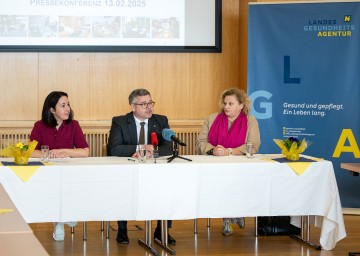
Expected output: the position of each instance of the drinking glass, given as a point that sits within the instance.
(45, 153)
(142, 153)
(249, 151)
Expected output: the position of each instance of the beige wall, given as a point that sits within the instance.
(185, 86)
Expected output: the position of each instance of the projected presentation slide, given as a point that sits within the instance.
(52, 24)
(92, 22)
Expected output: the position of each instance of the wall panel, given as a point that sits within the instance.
(18, 86)
(67, 72)
(210, 74)
(166, 76)
(185, 86)
(112, 77)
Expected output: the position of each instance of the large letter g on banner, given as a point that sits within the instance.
(266, 106)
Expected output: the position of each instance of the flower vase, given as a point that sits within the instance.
(21, 160)
(293, 157)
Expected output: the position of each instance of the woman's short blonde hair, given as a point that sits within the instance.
(241, 97)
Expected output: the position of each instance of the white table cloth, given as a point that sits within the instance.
(114, 188)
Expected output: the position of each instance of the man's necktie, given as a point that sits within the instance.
(142, 134)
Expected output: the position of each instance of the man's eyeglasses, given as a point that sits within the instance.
(145, 105)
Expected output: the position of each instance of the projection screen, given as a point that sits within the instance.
(111, 25)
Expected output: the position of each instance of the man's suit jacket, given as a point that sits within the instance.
(123, 136)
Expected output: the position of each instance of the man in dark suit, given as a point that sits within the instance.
(125, 136)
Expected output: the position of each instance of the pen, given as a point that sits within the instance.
(131, 159)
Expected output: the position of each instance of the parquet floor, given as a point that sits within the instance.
(208, 241)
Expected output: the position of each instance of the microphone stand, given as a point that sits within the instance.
(155, 152)
(176, 153)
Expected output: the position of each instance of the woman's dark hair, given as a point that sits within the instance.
(50, 102)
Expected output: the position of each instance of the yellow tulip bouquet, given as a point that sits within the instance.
(291, 147)
(20, 151)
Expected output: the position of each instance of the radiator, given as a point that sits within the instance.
(97, 142)
(189, 137)
(8, 138)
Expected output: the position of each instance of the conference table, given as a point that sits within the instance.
(117, 188)
(354, 168)
(14, 231)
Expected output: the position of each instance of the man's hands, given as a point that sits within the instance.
(149, 151)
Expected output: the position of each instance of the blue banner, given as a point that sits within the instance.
(304, 81)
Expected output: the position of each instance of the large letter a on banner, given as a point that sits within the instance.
(353, 147)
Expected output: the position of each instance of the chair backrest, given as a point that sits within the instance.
(106, 149)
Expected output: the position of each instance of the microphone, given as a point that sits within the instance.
(154, 139)
(169, 135)
(155, 143)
